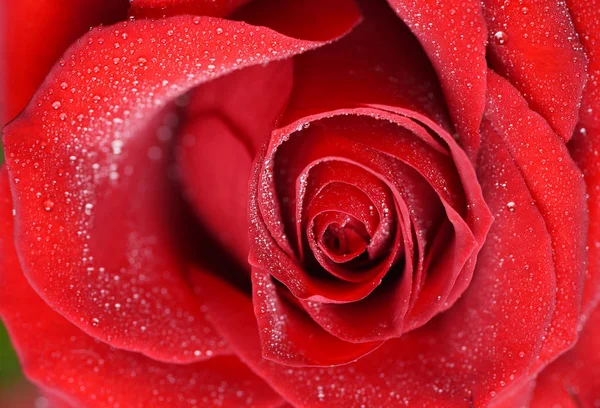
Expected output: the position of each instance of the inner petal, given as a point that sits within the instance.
(349, 223)
(344, 242)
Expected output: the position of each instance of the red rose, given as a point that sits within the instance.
(306, 203)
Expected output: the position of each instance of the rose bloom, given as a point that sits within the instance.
(308, 203)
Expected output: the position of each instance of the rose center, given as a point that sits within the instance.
(343, 241)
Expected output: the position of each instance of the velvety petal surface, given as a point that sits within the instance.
(88, 143)
(573, 380)
(535, 46)
(34, 35)
(225, 123)
(83, 371)
(451, 33)
(558, 190)
(586, 141)
(163, 8)
(519, 397)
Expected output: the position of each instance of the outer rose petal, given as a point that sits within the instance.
(573, 381)
(586, 142)
(558, 190)
(452, 33)
(88, 142)
(162, 8)
(327, 18)
(535, 46)
(35, 33)
(85, 372)
(226, 122)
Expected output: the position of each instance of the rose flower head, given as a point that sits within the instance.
(307, 203)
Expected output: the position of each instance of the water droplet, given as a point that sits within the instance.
(48, 205)
(63, 85)
(511, 206)
(56, 105)
(117, 146)
(219, 30)
(95, 322)
(88, 208)
(500, 37)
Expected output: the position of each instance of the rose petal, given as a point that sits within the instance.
(314, 20)
(586, 142)
(520, 397)
(361, 69)
(535, 46)
(451, 33)
(573, 380)
(35, 33)
(226, 122)
(163, 8)
(289, 336)
(94, 200)
(87, 372)
(558, 190)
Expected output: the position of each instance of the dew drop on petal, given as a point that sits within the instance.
(88, 208)
(116, 146)
(500, 37)
(48, 205)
